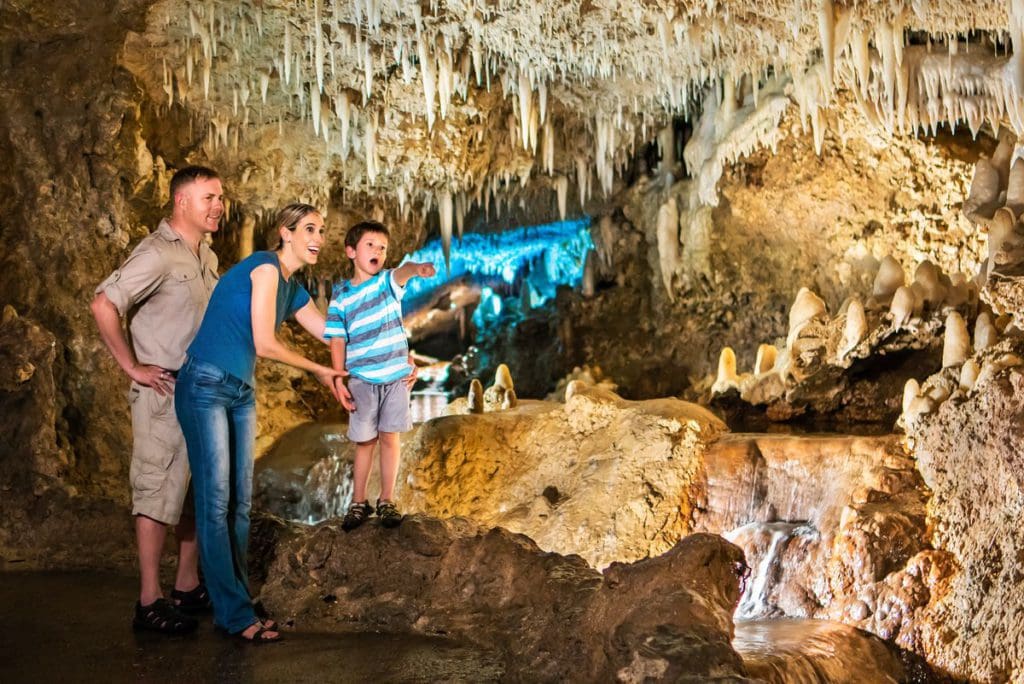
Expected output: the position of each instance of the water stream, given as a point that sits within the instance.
(797, 651)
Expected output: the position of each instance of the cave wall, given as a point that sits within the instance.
(73, 145)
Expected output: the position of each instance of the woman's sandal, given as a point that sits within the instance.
(161, 616)
(192, 602)
(259, 636)
(264, 617)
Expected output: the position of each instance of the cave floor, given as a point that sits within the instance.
(76, 626)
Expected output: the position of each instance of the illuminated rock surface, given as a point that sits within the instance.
(551, 617)
(598, 476)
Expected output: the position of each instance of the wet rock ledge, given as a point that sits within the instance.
(550, 617)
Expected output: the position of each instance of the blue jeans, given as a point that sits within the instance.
(217, 412)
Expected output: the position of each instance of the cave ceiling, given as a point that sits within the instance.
(447, 105)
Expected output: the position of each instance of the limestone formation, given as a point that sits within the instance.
(985, 333)
(670, 614)
(902, 308)
(727, 378)
(475, 399)
(618, 472)
(765, 361)
(928, 276)
(956, 342)
(501, 395)
(889, 279)
(856, 327)
(967, 456)
(969, 375)
(806, 306)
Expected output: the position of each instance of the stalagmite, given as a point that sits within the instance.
(1002, 157)
(503, 377)
(726, 378)
(902, 308)
(1015, 187)
(1000, 230)
(668, 243)
(856, 327)
(509, 400)
(806, 306)
(475, 398)
(765, 361)
(956, 346)
(984, 193)
(890, 278)
(928, 276)
(572, 388)
(911, 391)
(985, 333)
(969, 375)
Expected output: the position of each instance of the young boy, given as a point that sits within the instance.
(364, 325)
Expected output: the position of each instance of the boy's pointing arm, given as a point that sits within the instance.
(412, 269)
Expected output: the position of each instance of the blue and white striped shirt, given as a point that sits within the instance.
(369, 317)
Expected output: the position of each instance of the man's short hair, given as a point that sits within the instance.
(189, 174)
(356, 232)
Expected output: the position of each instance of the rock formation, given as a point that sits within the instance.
(542, 468)
(667, 617)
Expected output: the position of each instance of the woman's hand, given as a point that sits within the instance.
(335, 381)
(343, 395)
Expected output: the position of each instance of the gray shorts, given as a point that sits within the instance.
(159, 471)
(379, 408)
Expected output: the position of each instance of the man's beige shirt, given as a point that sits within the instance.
(163, 289)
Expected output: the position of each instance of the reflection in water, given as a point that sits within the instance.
(428, 404)
(795, 651)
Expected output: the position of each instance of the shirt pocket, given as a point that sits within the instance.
(188, 281)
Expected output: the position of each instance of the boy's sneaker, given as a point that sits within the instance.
(357, 514)
(388, 514)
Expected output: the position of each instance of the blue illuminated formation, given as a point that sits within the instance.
(539, 257)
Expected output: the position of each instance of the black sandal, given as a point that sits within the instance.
(258, 637)
(160, 616)
(192, 602)
(388, 514)
(357, 514)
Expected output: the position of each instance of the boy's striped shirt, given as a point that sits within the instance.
(369, 317)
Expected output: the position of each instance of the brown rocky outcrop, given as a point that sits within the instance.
(552, 617)
(969, 454)
(598, 476)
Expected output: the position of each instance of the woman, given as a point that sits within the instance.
(215, 403)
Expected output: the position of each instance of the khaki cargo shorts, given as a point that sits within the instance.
(159, 473)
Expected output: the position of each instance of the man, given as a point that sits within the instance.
(162, 289)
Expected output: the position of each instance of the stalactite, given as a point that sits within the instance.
(444, 208)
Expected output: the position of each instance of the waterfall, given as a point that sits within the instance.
(772, 550)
